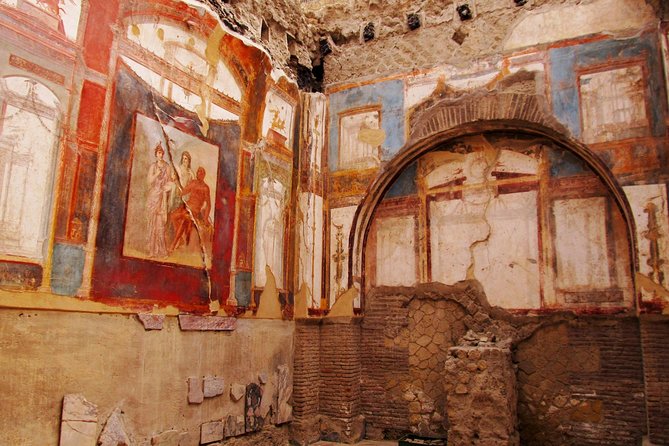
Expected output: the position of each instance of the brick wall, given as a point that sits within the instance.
(340, 368)
(617, 382)
(306, 379)
(580, 379)
(655, 339)
(581, 383)
(326, 383)
(384, 365)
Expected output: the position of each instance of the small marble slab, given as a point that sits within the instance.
(189, 322)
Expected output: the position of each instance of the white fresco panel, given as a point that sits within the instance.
(507, 264)
(59, 15)
(581, 243)
(341, 220)
(396, 263)
(310, 238)
(358, 145)
(613, 104)
(454, 226)
(269, 232)
(551, 23)
(28, 144)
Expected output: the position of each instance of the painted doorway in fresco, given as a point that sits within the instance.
(29, 138)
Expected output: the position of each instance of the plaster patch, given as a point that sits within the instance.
(558, 23)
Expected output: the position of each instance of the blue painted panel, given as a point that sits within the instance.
(68, 268)
(243, 288)
(563, 87)
(566, 61)
(389, 95)
(564, 163)
(405, 184)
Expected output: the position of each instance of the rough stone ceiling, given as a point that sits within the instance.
(402, 34)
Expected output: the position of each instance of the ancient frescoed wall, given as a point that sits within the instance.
(528, 162)
(131, 155)
(606, 94)
(146, 168)
(174, 194)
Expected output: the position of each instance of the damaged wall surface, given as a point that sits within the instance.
(255, 222)
(165, 382)
(139, 141)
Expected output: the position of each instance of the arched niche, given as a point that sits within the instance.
(430, 134)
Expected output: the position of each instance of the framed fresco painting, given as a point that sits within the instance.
(170, 217)
(167, 216)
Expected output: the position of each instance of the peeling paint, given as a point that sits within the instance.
(343, 306)
(269, 307)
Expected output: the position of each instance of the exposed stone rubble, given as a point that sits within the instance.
(278, 26)
(396, 47)
(480, 381)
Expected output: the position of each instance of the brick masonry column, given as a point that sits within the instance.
(655, 347)
(306, 382)
(340, 374)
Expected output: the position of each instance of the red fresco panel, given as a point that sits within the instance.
(98, 36)
(244, 257)
(91, 110)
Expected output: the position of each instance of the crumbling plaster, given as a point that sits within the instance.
(495, 27)
(113, 362)
(282, 17)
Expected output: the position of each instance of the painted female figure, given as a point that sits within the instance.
(159, 184)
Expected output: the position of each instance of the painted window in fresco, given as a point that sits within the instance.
(173, 62)
(162, 199)
(359, 141)
(29, 137)
(278, 120)
(59, 15)
(185, 51)
(613, 104)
